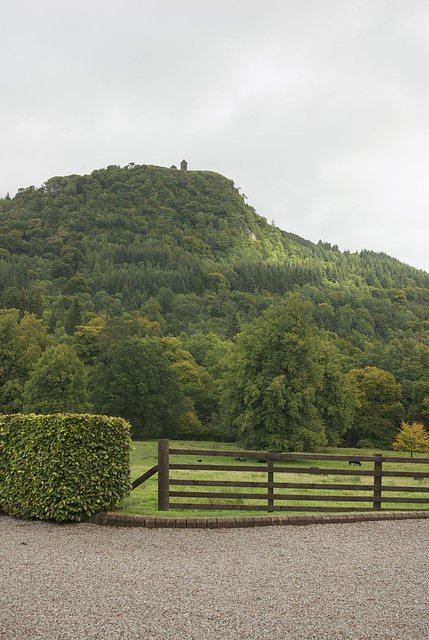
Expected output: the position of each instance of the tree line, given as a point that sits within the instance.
(278, 383)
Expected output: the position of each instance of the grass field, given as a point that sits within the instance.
(144, 499)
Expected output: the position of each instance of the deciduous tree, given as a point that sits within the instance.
(379, 409)
(412, 437)
(271, 380)
(335, 399)
(22, 342)
(58, 383)
(419, 408)
(136, 382)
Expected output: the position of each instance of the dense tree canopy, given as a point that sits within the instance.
(22, 341)
(378, 410)
(57, 384)
(136, 382)
(273, 377)
(419, 408)
(179, 258)
(335, 399)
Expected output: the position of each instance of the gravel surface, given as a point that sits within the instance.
(367, 580)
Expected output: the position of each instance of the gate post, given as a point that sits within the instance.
(270, 463)
(163, 475)
(378, 467)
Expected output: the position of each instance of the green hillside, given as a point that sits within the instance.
(129, 231)
(180, 259)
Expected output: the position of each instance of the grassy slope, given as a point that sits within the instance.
(143, 500)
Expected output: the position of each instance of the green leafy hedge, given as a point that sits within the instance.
(63, 466)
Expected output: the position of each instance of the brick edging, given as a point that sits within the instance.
(107, 518)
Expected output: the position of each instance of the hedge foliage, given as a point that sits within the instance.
(63, 466)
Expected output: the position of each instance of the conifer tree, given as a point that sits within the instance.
(73, 318)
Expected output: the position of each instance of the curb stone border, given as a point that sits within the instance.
(111, 519)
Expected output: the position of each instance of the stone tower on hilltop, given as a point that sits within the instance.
(183, 165)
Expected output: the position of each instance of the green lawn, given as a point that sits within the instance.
(143, 500)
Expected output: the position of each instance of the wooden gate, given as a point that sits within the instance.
(269, 493)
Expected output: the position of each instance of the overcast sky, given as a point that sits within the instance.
(317, 109)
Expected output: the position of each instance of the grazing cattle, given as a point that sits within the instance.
(261, 460)
(240, 459)
(357, 462)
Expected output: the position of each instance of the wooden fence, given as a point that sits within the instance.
(377, 495)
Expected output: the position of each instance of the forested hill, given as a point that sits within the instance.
(129, 231)
(88, 263)
(121, 237)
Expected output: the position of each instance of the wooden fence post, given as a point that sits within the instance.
(270, 463)
(163, 475)
(378, 468)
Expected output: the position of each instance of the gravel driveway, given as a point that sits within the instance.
(367, 580)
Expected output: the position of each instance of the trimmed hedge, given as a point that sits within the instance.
(63, 466)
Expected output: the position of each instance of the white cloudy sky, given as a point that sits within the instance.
(317, 109)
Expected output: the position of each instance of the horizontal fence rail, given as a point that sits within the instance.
(268, 463)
